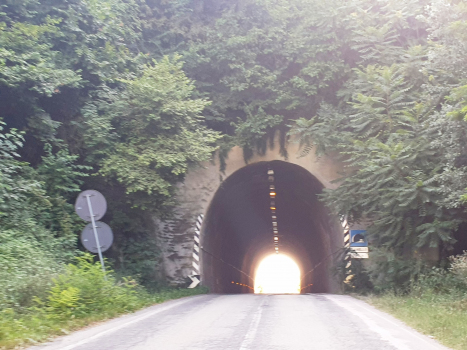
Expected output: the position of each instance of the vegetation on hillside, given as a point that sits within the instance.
(124, 96)
(78, 296)
(400, 130)
(436, 304)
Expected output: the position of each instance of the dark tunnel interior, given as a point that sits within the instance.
(237, 230)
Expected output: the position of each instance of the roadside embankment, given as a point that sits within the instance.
(435, 304)
(443, 317)
(77, 298)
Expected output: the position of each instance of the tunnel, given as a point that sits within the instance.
(237, 231)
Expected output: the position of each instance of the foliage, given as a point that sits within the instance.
(435, 302)
(27, 270)
(136, 92)
(82, 290)
(78, 296)
(26, 58)
(439, 281)
(439, 316)
(159, 131)
(15, 187)
(356, 277)
(70, 76)
(37, 230)
(397, 130)
(459, 267)
(141, 256)
(59, 173)
(265, 62)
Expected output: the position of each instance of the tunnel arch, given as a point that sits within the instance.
(237, 229)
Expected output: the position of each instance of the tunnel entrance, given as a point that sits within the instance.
(237, 231)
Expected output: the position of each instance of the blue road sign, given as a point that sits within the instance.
(358, 238)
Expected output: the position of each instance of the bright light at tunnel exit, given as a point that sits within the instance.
(277, 274)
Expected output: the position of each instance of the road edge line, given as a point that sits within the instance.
(130, 322)
(402, 325)
(383, 333)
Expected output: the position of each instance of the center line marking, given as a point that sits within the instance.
(252, 329)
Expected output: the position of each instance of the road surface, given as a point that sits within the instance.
(248, 321)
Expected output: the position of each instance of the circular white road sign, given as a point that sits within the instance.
(98, 203)
(104, 234)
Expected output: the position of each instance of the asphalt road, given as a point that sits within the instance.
(247, 321)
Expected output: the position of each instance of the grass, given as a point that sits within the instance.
(76, 298)
(36, 325)
(443, 317)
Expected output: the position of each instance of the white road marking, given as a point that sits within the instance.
(126, 324)
(410, 331)
(253, 328)
(385, 334)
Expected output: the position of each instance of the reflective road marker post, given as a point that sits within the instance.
(195, 276)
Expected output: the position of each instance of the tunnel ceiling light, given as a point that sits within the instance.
(272, 195)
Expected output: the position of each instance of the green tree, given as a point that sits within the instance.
(263, 63)
(156, 132)
(402, 150)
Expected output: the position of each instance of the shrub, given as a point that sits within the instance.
(459, 266)
(397, 276)
(389, 272)
(439, 281)
(81, 294)
(84, 289)
(27, 270)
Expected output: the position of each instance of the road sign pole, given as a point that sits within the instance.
(94, 227)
